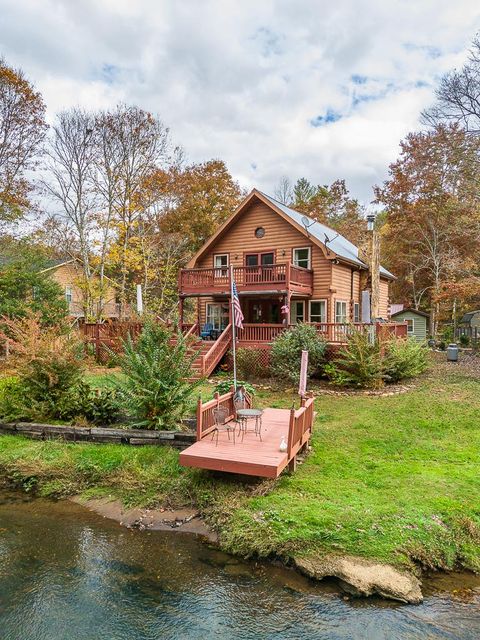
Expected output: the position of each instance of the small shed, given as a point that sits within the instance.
(470, 319)
(417, 322)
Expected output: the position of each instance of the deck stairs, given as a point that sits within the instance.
(208, 353)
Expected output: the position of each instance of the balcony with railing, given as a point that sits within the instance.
(272, 277)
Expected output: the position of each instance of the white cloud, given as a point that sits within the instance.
(244, 81)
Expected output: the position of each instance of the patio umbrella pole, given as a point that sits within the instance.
(232, 316)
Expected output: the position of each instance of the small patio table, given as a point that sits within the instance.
(243, 415)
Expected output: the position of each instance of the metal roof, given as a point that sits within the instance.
(332, 240)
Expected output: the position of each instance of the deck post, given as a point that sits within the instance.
(199, 418)
(292, 465)
(291, 428)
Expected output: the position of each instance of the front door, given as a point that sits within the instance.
(263, 311)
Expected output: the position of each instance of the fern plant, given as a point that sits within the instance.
(156, 386)
(359, 364)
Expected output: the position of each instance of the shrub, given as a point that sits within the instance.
(98, 406)
(250, 365)
(287, 352)
(49, 367)
(155, 388)
(464, 340)
(359, 364)
(48, 363)
(225, 385)
(404, 359)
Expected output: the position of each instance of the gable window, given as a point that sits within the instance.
(341, 311)
(297, 313)
(68, 293)
(318, 311)
(220, 260)
(410, 326)
(356, 312)
(301, 257)
(259, 232)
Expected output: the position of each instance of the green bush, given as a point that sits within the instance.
(464, 340)
(98, 406)
(359, 364)
(49, 382)
(363, 364)
(404, 359)
(225, 385)
(287, 350)
(156, 385)
(250, 365)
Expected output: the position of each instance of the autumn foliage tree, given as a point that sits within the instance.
(22, 129)
(432, 231)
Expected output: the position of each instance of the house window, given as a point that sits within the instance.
(297, 311)
(256, 259)
(410, 326)
(356, 312)
(341, 311)
(68, 294)
(318, 311)
(220, 264)
(217, 315)
(259, 232)
(301, 257)
(220, 260)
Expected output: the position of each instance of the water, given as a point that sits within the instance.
(68, 574)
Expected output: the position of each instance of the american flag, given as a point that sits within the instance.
(237, 309)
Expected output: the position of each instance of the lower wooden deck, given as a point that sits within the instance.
(250, 457)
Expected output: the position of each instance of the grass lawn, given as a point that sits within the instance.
(395, 478)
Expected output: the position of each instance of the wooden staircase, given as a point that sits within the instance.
(208, 352)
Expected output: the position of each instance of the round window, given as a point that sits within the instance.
(259, 232)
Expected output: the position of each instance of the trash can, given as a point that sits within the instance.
(452, 353)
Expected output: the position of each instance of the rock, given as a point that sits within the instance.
(361, 577)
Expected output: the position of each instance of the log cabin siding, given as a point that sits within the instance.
(343, 276)
(280, 237)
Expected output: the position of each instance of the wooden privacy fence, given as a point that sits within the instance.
(205, 419)
(300, 428)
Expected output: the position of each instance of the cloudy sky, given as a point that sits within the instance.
(274, 87)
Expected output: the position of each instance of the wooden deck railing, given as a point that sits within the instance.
(205, 419)
(300, 427)
(279, 277)
(190, 329)
(210, 359)
(260, 332)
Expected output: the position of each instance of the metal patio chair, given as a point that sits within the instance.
(220, 415)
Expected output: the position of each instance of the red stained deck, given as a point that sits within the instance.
(250, 457)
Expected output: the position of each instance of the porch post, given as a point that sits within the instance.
(180, 313)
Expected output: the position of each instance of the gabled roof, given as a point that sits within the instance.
(329, 240)
(411, 310)
(467, 318)
(55, 264)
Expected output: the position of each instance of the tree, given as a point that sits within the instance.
(22, 129)
(205, 195)
(333, 206)
(70, 155)
(458, 95)
(432, 231)
(283, 192)
(25, 289)
(135, 146)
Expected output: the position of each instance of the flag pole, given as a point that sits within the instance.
(232, 318)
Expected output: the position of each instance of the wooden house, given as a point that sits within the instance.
(68, 275)
(287, 268)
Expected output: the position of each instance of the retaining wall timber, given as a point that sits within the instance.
(38, 431)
